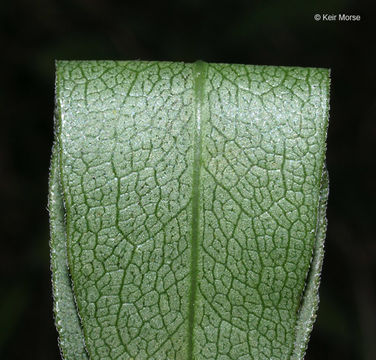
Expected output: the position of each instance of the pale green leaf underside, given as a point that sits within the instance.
(187, 208)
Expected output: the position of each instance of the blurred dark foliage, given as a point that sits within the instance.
(34, 33)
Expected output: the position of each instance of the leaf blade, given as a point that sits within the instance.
(261, 175)
(120, 123)
(71, 338)
(108, 203)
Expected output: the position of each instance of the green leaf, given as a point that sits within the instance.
(187, 206)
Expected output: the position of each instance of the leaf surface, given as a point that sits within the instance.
(187, 209)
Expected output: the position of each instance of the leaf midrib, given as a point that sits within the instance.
(199, 75)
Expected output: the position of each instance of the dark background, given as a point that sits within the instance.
(34, 33)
